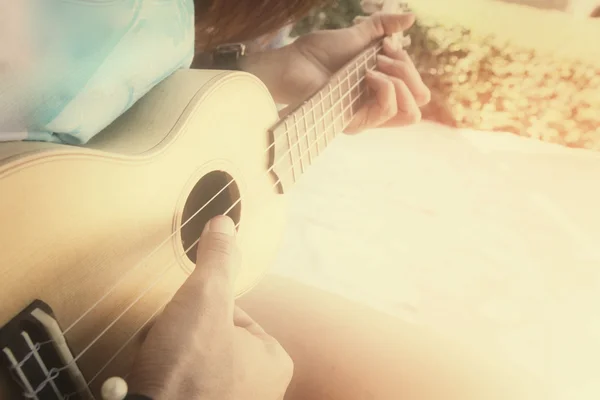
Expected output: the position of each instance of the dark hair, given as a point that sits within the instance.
(226, 21)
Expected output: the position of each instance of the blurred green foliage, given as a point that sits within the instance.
(341, 14)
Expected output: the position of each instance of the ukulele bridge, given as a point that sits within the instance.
(37, 357)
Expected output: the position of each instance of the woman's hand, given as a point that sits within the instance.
(203, 347)
(295, 71)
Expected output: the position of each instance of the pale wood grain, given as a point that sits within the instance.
(75, 221)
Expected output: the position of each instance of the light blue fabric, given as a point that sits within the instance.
(90, 61)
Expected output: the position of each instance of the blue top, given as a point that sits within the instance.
(74, 66)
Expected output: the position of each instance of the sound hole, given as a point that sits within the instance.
(208, 195)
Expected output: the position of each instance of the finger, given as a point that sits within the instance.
(242, 320)
(380, 25)
(359, 19)
(381, 109)
(408, 110)
(398, 64)
(209, 291)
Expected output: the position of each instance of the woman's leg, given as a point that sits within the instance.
(345, 351)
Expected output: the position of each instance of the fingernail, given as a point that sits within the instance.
(384, 60)
(221, 224)
(375, 74)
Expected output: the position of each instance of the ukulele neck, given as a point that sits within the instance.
(305, 132)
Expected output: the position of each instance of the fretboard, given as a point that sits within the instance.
(305, 132)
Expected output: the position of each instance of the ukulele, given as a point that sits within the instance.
(96, 239)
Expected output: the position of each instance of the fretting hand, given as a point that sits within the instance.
(295, 71)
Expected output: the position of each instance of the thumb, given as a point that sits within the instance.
(210, 287)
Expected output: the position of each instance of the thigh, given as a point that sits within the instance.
(346, 351)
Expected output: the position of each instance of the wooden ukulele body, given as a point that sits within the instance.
(78, 221)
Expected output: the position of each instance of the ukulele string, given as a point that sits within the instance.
(30, 354)
(337, 86)
(162, 306)
(170, 265)
(54, 372)
(366, 56)
(226, 212)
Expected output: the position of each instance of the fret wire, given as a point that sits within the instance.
(312, 144)
(36, 356)
(307, 135)
(364, 66)
(342, 99)
(350, 92)
(371, 62)
(314, 121)
(343, 110)
(289, 139)
(298, 142)
(324, 123)
(337, 87)
(331, 109)
(360, 71)
(331, 106)
(374, 51)
(367, 88)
